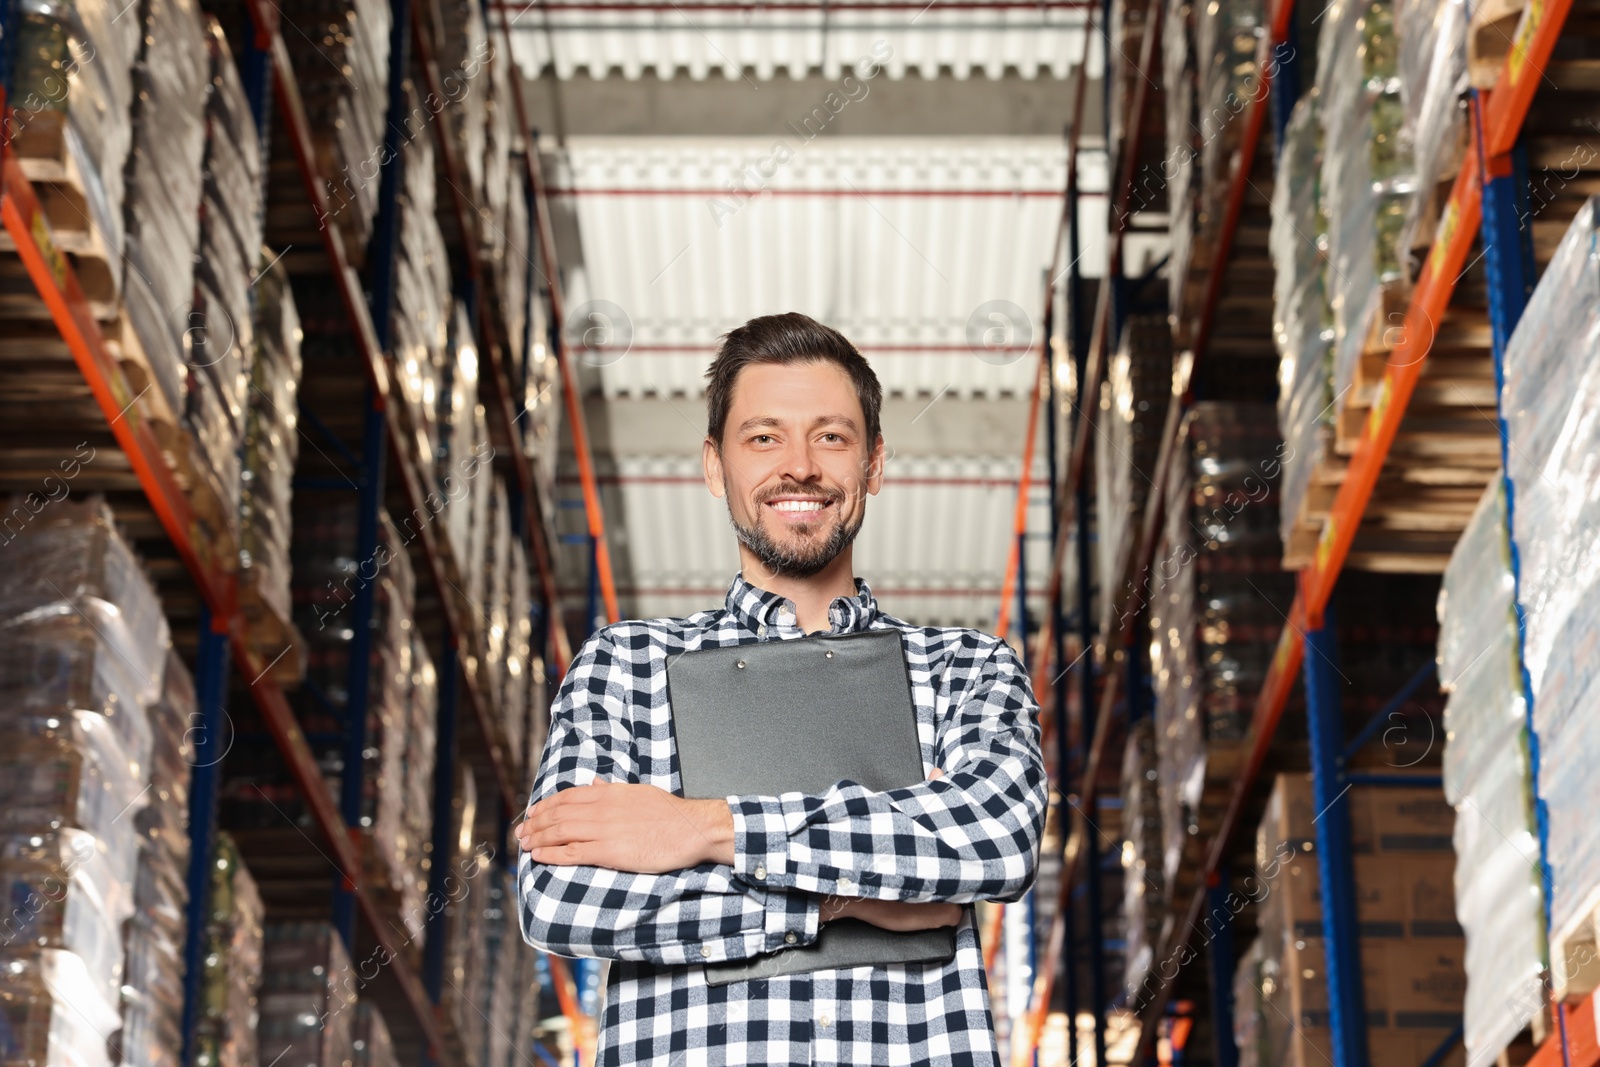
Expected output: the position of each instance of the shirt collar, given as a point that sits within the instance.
(754, 606)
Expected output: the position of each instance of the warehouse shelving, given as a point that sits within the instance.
(266, 58)
(1499, 117)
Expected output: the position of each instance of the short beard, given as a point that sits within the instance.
(785, 563)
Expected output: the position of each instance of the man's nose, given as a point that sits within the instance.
(799, 465)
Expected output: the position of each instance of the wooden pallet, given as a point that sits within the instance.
(1575, 951)
(1489, 39)
(58, 181)
(273, 639)
(217, 519)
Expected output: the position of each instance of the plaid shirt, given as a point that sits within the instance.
(970, 835)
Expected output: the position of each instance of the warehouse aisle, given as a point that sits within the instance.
(1238, 374)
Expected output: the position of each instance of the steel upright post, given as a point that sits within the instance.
(1330, 794)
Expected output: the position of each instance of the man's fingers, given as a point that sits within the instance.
(937, 772)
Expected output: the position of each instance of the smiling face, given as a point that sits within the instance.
(795, 467)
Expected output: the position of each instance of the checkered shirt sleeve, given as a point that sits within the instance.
(700, 914)
(971, 835)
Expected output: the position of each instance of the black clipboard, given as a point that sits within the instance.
(778, 716)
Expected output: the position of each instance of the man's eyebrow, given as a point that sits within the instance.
(771, 421)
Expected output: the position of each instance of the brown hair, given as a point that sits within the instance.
(785, 339)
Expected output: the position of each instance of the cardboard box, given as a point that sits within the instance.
(1383, 819)
(1396, 895)
(1406, 985)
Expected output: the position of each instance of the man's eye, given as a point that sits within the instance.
(762, 436)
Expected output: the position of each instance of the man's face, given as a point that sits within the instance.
(795, 467)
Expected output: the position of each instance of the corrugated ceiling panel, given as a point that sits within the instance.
(733, 40)
(917, 249)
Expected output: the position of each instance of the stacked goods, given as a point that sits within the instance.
(504, 953)
(462, 43)
(1411, 949)
(271, 446)
(1552, 390)
(1217, 598)
(1133, 411)
(162, 211)
(497, 603)
(419, 320)
(397, 767)
(519, 646)
(464, 450)
(512, 272)
(1499, 899)
(1255, 984)
(308, 997)
(1228, 37)
(538, 714)
(1211, 65)
(71, 91)
(340, 50)
(1142, 893)
(494, 222)
(417, 768)
(373, 1047)
(541, 426)
(1182, 148)
(1433, 81)
(152, 990)
(221, 327)
(1368, 176)
(226, 1036)
(465, 966)
(1302, 326)
(83, 645)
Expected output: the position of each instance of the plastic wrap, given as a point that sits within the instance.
(229, 1011)
(1486, 776)
(1143, 895)
(1302, 327)
(1133, 411)
(1433, 82)
(271, 444)
(1368, 173)
(340, 50)
(422, 304)
(1217, 599)
(308, 997)
(1551, 402)
(71, 562)
(165, 185)
(372, 1045)
(71, 91)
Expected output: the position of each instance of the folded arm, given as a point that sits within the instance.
(694, 915)
(971, 835)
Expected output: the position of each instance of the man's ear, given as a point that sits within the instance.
(711, 462)
(875, 461)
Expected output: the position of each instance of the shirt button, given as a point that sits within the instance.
(761, 870)
(845, 885)
(791, 937)
(705, 950)
(825, 1021)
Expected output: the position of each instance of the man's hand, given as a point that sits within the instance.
(627, 827)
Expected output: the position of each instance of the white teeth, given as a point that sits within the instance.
(799, 505)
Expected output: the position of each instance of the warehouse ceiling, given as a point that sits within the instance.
(893, 169)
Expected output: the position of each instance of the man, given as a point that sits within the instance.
(617, 866)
